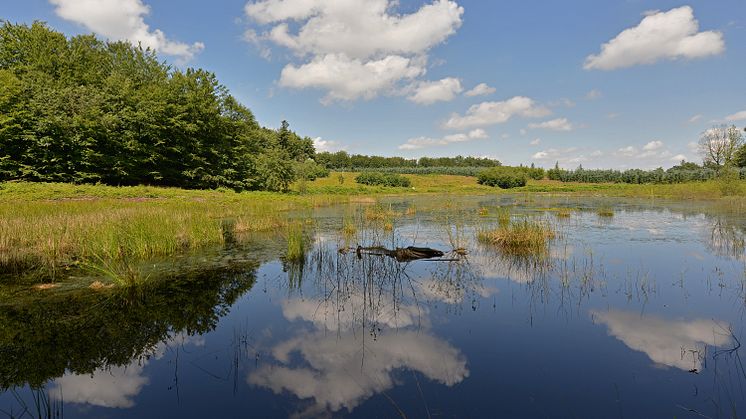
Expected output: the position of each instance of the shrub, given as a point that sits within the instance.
(310, 170)
(502, 177)
(383, 179)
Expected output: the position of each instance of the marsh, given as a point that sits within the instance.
(635, 315)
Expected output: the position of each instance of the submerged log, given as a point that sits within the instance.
(406, 254)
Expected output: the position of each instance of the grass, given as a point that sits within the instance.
(524, 237)
(605, 212)
(49, 230)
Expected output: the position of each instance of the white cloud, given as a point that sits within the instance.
(629, 151)
(535, 141)
(593, 94)
(738, 116)
(429, 92)
(660, 35)
(123, 20)
(695, 118)
(679, 157)
(422, 142)
(348, 79)
(559, 124)
(665, 342)
(653, 145)
(482, 89)
(321, 144)
(490, 113)
(345, 40)
(567, 155)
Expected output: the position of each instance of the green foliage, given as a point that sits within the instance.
(503, 177)
(310, 170)
(86, 111)
(739, 160)
(341, 160)
(383, 179)
(685, 172)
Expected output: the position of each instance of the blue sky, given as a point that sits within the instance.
(603, 84)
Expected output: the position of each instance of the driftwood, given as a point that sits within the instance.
(406, 254)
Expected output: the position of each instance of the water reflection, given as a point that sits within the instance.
(673, 343)
(382, 328)
(114, 386)
(43, 337)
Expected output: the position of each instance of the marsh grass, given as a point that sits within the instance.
(48, 231)
(605, 212)
(504, 215)
(524, 237)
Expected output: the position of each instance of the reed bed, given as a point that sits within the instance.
(524, 237)
(48, 229)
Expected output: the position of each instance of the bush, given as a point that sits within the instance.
(310, 170)
(383, 179)
(502, 177)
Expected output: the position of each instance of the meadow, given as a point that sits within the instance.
(48, 230)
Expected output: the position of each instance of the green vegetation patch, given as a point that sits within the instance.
(503, 177)
(383, 179)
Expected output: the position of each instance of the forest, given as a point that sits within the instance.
(83, 110)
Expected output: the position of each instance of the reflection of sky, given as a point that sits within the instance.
(341, 370)
(672, 343)
(114, 387)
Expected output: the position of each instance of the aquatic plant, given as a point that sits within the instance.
(605, 211)
(521, 237)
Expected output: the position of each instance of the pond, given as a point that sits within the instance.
(634, 311)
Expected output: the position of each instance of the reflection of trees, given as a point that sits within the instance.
(43, 336)
(381, 326)
(726, 238)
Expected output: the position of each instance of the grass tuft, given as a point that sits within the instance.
(519, 238)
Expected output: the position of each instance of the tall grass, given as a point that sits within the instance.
(524, 237)
(47, 230)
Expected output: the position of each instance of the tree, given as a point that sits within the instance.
(718, 145)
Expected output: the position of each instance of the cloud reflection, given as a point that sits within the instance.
(679, 344)
(337, 376)
(116, 386)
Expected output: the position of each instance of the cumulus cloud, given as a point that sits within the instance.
(559, 124)
(321, 144)
(660, 35)
(738, 116)
(482, 89)
(123, 20)
(429, 92)
(422, 142)
(665, 342)
(567, 156)
(535, 141)
(347, 79)
(653, 145)
(339, 42)
(491, 113)
(679, 157)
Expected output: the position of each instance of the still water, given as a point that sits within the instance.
(635, 315)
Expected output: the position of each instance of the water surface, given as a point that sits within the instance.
(635, 315)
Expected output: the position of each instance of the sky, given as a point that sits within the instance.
(611, 84)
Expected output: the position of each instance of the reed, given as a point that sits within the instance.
(519, 238)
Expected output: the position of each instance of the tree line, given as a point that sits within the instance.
(341, 160)
(83, 110)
